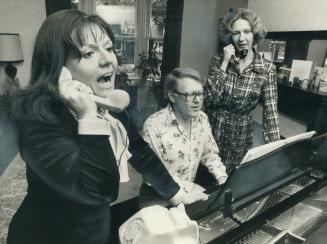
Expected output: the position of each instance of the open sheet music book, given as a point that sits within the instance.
(269, 147)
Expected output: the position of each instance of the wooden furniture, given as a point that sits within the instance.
(309, 106)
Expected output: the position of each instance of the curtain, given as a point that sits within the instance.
(172, 43)
(142, 8)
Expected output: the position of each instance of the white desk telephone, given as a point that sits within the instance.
(117, 101)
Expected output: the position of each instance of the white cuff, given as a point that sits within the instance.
(93, 127)
(177, 198)
(222, 180)
(221, 175)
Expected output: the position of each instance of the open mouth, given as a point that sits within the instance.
(105, 80)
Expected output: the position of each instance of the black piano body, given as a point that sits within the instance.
(280, 197)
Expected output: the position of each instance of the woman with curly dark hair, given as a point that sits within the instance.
(237, 78)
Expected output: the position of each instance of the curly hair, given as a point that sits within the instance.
(225, 25)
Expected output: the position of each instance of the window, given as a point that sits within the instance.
(157, 24)
(157, 29)
(138, 26)
(149, 29)
(121, 16)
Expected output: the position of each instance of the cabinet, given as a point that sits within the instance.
(309, 106)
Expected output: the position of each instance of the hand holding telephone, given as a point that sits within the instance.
(230, 51)
(117, 101)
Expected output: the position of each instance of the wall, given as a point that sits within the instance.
(8, 143)
(223, 6)
(198, 42)
(199, 30)
(23, 17)
(295, 15)
(199, 34)
(291, 15)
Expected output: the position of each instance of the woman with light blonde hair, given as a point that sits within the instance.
(237, 78)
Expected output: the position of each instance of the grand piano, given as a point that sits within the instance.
(278, 197)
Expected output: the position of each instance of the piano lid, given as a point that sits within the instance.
(262, 175)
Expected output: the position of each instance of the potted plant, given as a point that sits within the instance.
(150, 66)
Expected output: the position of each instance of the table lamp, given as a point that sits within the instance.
(10, 51)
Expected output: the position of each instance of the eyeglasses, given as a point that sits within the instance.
(191, 96)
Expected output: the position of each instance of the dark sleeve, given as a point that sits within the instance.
(81, 168)
(146, 162)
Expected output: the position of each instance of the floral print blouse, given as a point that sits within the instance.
(180, 153)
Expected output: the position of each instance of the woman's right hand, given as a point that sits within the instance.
(229, 51)
(78, 96)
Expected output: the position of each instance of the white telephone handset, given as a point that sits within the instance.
(117, 101)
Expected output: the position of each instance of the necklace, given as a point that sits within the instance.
(73, 113)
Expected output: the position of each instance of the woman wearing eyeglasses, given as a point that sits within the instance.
(180, 135)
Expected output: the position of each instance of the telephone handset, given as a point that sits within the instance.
(241, 53)
(117, 101)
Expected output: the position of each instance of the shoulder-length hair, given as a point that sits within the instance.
(61, 33)
(225, 25)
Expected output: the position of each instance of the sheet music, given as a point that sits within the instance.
(269, 147)
(262, 150)
(300, 136)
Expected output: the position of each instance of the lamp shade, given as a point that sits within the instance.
(10, 48)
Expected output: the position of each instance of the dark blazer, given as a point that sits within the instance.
(72, 179)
